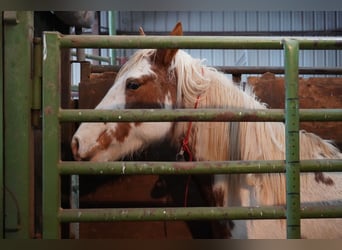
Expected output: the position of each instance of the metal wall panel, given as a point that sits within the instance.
(242, 21)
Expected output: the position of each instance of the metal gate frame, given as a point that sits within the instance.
(53, 115)
(2, 190)
(17, 172)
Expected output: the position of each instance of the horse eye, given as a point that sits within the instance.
(132, 85)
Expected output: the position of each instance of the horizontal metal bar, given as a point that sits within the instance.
(277, 70)
(310, 212)
(242, 69)
(195, 42)
(94, 57)
(217, 115)
(200, 167)
(169, 214)
(192, 213)
(292, 33)
(155, 115)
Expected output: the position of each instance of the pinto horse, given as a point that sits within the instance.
(171, 78)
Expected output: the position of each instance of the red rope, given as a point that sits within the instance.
(185, 148)
(185, 144)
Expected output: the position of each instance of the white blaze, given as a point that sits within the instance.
(139, 135)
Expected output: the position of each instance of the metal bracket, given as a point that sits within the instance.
(18, 227)
(10, 17)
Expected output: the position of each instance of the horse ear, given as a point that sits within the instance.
(165, 56)
(177, 30)
(141, 31)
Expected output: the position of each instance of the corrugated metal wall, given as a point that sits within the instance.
(283, 23)
(297, 22)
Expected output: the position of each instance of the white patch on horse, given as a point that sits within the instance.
(168, 101)
(114, 99)
(150, 132)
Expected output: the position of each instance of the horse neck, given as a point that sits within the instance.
(214, 140)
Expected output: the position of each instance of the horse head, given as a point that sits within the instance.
(145, 81)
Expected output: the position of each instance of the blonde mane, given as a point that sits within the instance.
(217, 141)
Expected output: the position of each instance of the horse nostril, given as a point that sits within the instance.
(74, 148)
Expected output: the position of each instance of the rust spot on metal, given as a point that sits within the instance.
(48, 110)
(179, 167)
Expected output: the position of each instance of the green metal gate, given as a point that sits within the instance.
(16, 170)
(53, 116)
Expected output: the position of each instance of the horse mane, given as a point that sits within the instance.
(237, 140)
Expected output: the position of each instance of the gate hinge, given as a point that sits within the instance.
(10, 17)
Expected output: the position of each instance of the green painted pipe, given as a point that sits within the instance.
(201, 167)
(291, 49)
(194, 42)
(2, 184)
(51, 136)
(18, 168)
(112, 32)
(154, 115)
(173, 214)
(192, 213)
(94, 57)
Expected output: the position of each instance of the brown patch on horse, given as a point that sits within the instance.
(219, 196)
(104, 140)
(121, 132)
(165, 56)
(319, 177)
(151, 93)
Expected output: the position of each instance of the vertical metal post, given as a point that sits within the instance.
(2, 214)
(18, 184)
(51, 135)
(75, 203)
(112, 32)
(291, 48)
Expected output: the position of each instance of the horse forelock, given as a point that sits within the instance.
(191, 78)
(135, 59)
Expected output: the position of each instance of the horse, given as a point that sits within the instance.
(170, 79)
